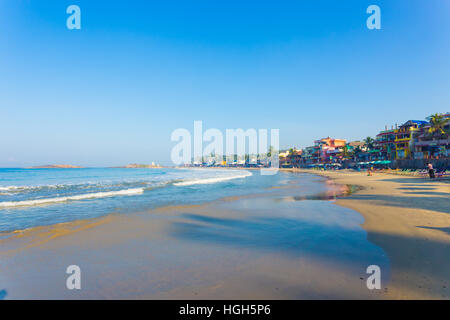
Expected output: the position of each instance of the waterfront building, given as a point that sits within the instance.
(385, 142)
(432, 145)
(404, 138)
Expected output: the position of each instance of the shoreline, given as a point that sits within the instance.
(250, 247)
(342, 192)
(409, 217)
(419, 256)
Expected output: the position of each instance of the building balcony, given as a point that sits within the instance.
(441, 142)
(402, 139)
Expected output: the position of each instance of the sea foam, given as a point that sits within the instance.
(126, 192)
(212, 180)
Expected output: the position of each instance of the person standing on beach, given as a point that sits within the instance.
(431, 171)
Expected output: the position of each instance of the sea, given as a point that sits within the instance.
(39, 197)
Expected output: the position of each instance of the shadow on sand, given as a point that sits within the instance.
(417, 188)
(430, 193)
(437, 203)
(292, 236)
(446, 230)
(302, 239)
(416, 181)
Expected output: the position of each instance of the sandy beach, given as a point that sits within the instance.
(409, 218)
(250, 247)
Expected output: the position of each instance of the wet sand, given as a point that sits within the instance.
(279, 245)
(409, 217)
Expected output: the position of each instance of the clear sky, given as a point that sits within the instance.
(112, 92)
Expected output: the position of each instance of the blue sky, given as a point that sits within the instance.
(112, 92)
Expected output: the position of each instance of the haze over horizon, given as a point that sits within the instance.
(113, 92)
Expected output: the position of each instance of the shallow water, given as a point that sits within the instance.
(35, 197)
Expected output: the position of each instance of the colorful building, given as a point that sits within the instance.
(414, 139)
(404, 138)
(432, 145)
(290, 158)
(385, 142)
(330, 149)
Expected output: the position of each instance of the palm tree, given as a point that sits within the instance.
(437, 122)
(368, 143)
(345, 152)
(355, 153)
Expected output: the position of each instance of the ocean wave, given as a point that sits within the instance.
(8, 188)
(212, 180)
(126, 192)
(35, 188)
(71, 186)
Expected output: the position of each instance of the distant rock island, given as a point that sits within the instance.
(137, 165)
(55, 166)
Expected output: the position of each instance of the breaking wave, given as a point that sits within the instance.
(212, 180)
(126, 192)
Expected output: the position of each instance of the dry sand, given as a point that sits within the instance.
(409, 217)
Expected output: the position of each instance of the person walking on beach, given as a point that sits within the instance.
(431, 171)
